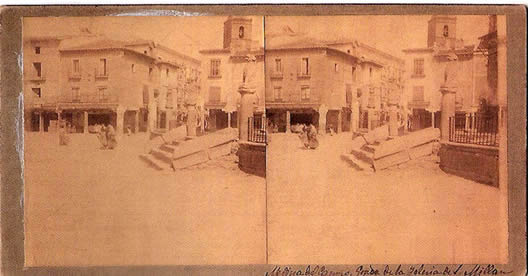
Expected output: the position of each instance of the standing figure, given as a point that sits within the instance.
(64, 140)
(111, 137)
(101, 135)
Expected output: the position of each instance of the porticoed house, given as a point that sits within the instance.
(93, 80)
(222, 72)
(425, 69)
(335, 85)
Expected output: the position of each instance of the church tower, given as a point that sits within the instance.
(442, 31)
(237, 34)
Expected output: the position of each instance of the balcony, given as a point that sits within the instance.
(303, 75)
(35, 77)
(74, 75)
(100, 74)
(89, 99)
(276, 75)
(419, 104)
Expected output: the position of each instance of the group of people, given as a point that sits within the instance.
(107, 136)
(308, 136)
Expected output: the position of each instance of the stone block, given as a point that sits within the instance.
(190, 160)
(391, 160)
(377, 135)
(421, 150)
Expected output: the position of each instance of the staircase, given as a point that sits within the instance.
(377, 153)
(183, 152)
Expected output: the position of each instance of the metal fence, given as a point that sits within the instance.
(257, 130)
(474, 129)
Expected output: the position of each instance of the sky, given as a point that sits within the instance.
(189, 34)
(389, 33)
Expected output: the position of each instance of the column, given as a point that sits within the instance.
(136, 121)
(405, 120)
(228, 119)
(288, 121)
(370, 118)
(245, 111)
(192, 117)
(41, 121)
(339, 121)
(466, 125)
(167, 120)
(433, 118)
(322, 119)
(448, 111)
(354, 122)
(120, 116)
(85, 124)
(393, 119)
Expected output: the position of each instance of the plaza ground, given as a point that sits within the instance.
(322, 211)
(86, 206)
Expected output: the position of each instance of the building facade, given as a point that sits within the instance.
(84, 82)
(337, 86)
(425, 69)
(222, 73)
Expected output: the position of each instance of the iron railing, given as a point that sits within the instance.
(474, 129)
(257, 130)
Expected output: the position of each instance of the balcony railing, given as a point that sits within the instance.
(303, 75)
(276, 75)
(474, 129)
(35, 77)
(257, 130)
(90, 98)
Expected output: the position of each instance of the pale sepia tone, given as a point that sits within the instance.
(147, 140)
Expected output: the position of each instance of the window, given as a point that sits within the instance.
(76, 66)
(305, 93)
(145, 94)
(215, 68)
(278, 65)
(37, 50)
(348, 93)
(418, 67)
(103, 93)
(167, 72)
(446, 31)
(277, 93)
(36, 91)
(133, 68)
(418, 94)
(370, 73)
(305, 66)
(336, 67)
(38, 69)
(354, 74)
(102, 67)
(169, 99)
(214, 94)
(150, 72)
(76, 94)
(241, 32)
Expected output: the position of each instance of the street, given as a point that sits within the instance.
(86, 206)
(320, 210)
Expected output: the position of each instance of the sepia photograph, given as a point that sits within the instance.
(144, 140)
(280, 139)
(386, 136)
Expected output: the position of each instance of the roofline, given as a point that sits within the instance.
(192, 59)
(387, 55)
(417, 50)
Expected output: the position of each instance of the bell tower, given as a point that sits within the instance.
(237, 34)
(442, 31)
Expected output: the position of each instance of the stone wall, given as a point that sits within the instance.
(252, 158)
(478, 163)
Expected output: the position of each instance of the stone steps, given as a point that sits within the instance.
(153, 162)
(162, 155)
(365, 156)
(357, 163)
